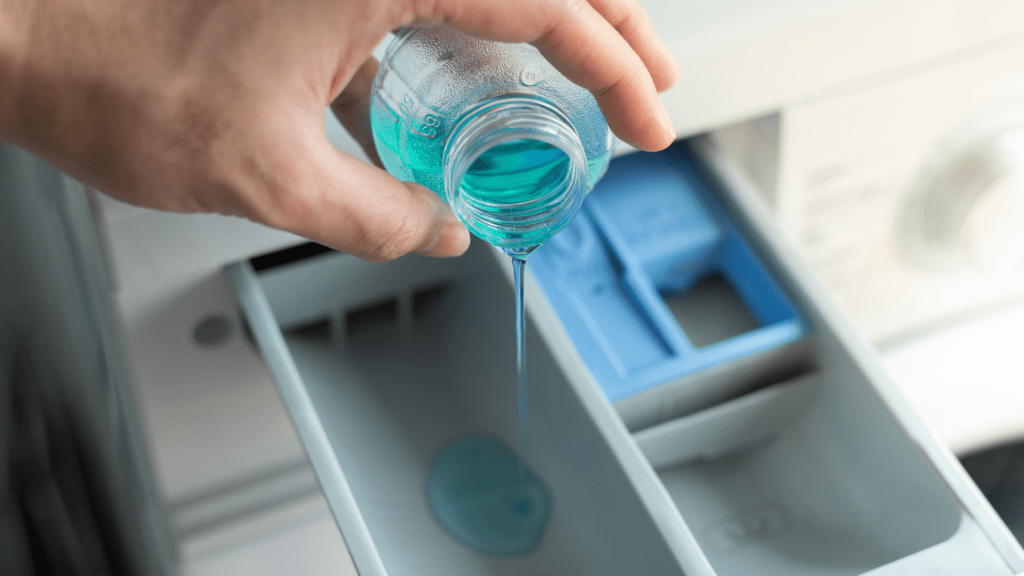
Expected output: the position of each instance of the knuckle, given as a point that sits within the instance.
(631, 21)
(561, 12)
(399, 237)
(282, 203)
(426, 10)
(285, 209)
(574, 9)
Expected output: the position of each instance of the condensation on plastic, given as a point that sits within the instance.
(431, 76)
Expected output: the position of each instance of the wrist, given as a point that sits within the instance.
(14, 36)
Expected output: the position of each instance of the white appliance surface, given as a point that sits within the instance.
(904, 192)
(859, 171)
(741, 59)
(242, 497)
(967, 381)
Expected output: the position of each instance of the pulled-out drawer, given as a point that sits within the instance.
(775, 449)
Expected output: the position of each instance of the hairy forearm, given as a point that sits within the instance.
(15, 24)
(74, 88)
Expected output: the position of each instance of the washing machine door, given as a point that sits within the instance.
(76, 493)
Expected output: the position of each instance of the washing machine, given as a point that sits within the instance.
(850, 118)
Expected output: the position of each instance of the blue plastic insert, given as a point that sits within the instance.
(651, 229)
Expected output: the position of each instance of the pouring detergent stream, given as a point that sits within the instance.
(513, 147)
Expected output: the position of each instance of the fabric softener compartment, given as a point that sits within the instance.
(655, 284)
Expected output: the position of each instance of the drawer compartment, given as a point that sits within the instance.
(381, 365)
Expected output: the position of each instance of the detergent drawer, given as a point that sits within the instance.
(697, 406)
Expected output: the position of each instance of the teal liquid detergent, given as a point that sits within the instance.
(480, 492)
(484, 496)
(518, 179)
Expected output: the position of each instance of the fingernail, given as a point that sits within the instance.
(452, 239)
(668, 126)
(455, 239)
(428, 249)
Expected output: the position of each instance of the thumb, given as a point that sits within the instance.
(362, 210)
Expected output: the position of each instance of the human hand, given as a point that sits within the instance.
(218, 105)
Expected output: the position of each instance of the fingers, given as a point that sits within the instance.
(590, 52)
(632, 23)
(352, 108)
(359, 209)
(608, 47)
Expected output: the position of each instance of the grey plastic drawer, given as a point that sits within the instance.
(383, 364)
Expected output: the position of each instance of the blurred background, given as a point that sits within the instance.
(886, 139)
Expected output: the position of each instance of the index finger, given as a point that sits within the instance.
(585, 47)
